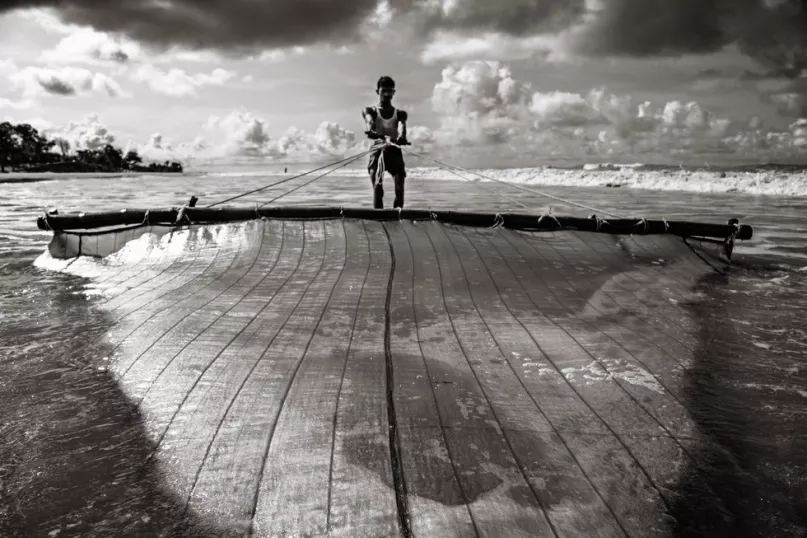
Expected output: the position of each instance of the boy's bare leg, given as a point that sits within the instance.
(399, 190)
(378, 191)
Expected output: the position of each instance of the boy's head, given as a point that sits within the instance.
(385, 88)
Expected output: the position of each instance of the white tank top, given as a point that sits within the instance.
(386, 127)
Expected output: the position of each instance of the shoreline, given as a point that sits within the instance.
(32, 177)
(766, 184)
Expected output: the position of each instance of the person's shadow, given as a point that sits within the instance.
(74, 453)
(748, 444)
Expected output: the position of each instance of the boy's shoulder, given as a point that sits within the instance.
(373, 111)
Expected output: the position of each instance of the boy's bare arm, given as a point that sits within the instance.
(369, 118)
(403, 117)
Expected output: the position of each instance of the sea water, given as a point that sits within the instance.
(71, 444)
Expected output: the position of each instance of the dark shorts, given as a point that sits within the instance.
(393, 162)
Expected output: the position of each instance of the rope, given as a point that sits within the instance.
(380, 174)
(350, 159)
(382, 166)
(534, 191)
(494, 191)
(344, 162)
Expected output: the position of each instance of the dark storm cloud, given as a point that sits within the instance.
(774, 32)
(777, 36)
(655, 27)
(513, 17)
(226, 25)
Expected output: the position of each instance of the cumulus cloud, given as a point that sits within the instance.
(331, 138)
(243, 134)
(177, 82)
(563, 109)
(293, 142)
(85, 45)
(159, 149)
(479, 102)
(89, 133)
(64, 81)
(421, 136)
(238, 134)
(798, 130)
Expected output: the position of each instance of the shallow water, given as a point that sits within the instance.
(62, 417)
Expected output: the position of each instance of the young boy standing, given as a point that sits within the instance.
(385, 121)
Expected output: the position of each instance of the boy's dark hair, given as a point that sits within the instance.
(385, 82)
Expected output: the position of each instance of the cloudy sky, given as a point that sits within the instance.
(521, 81)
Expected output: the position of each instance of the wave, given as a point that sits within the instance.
(770, 180)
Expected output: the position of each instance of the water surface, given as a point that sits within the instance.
(72, 447)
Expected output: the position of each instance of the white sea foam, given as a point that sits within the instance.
(150, 250)
(763, 183)
(629, 176)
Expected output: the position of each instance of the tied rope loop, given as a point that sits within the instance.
(599, 221)
(550, 216)
(181, 215)
(641, 222)
(46, 220)
(728, 244)
(498, 222)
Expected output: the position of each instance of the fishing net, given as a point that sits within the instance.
(362, 372)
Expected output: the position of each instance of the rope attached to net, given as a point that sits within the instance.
(515, 201)
(379, 175)
(534, 191)
(346, 160)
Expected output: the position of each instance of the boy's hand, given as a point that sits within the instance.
(372, 134)
(402, 141)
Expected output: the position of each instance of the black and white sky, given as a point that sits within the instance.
(574, 78)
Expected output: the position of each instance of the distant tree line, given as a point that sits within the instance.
(23, 148)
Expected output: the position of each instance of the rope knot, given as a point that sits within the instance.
(550, 216)
(46, 220)
(599, 222)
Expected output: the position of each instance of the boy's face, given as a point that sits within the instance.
(385, 93)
